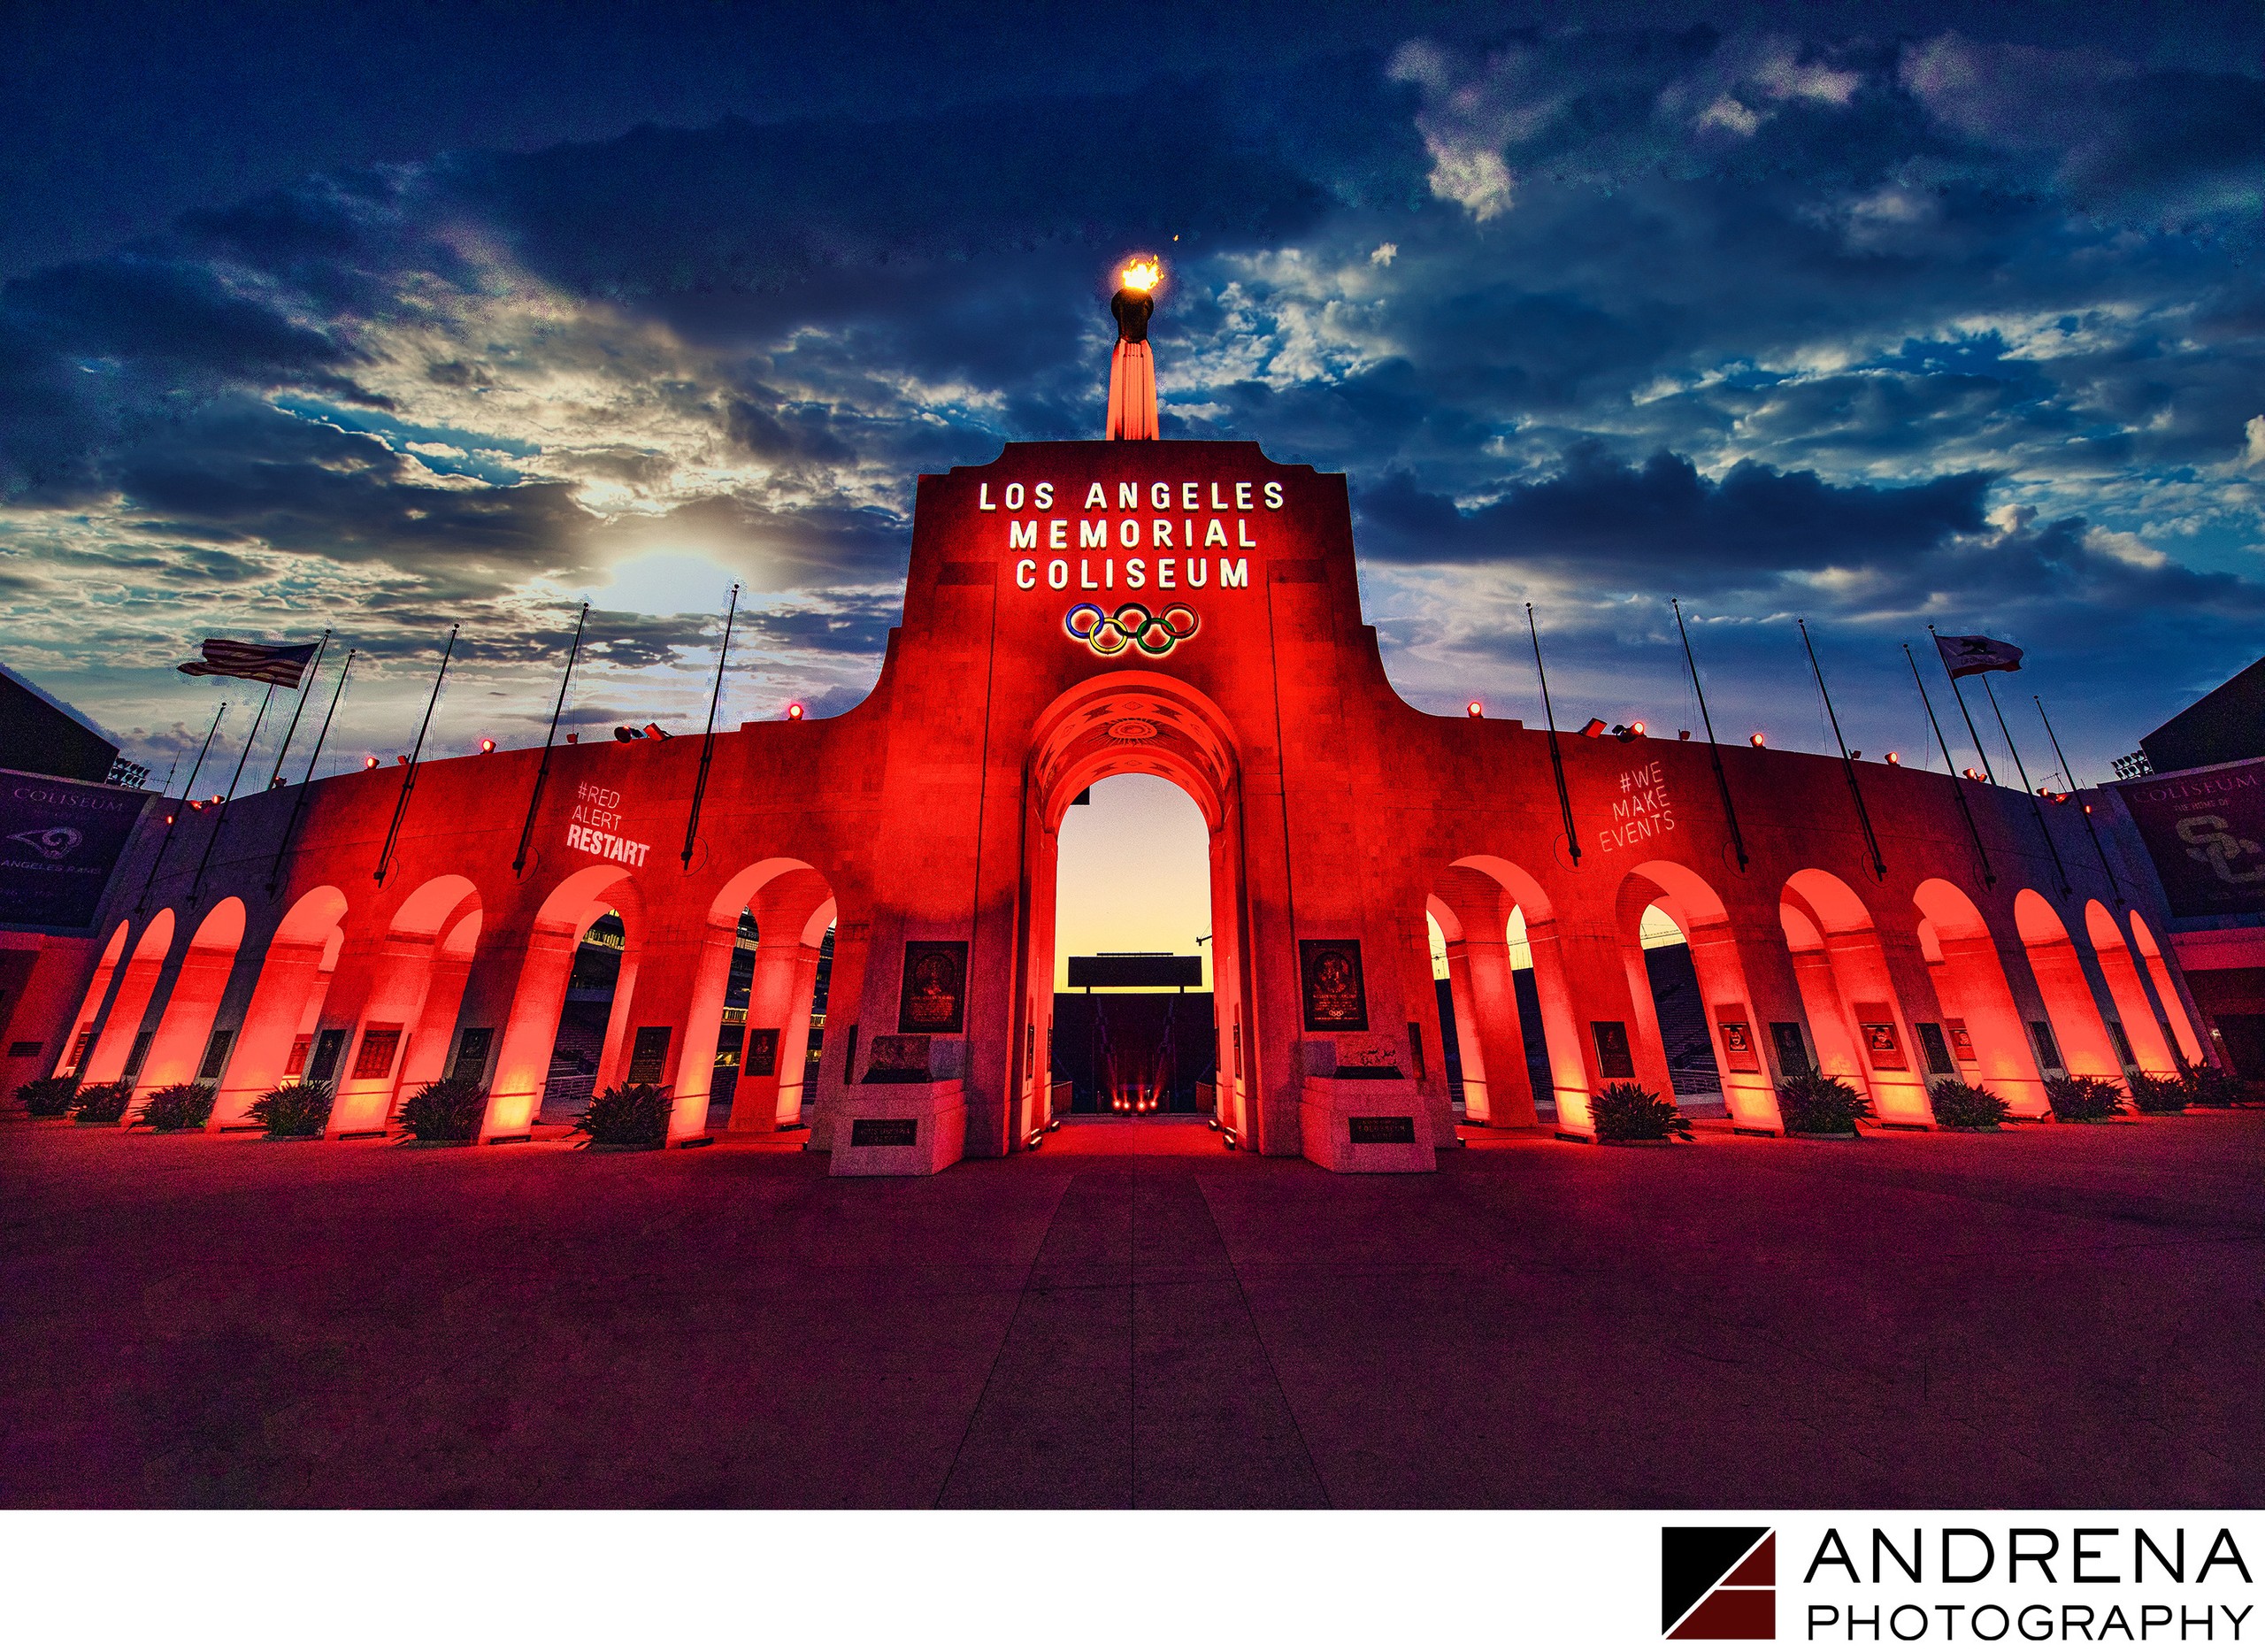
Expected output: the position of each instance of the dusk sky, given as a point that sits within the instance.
(392, 318)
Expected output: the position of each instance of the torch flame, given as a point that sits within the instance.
(1142, 274)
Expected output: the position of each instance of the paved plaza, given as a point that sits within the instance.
(2055, 1315)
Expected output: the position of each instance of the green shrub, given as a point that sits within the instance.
(2079, 1099)
(1629, 1113)
(48, 1098)
(2153, 1094)
(627, 1115)
(103, 1104)
(179, 1107)
(1962, 1106)
(2211, 1086)
(447, 1110)
(1812, 1103)
(294, 1109)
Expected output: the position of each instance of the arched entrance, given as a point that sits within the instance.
(1721, 1024)
(2074, 1036)
(393, 1024)
(82, 1041)
(1982, 1024)
(2143, 1044)
(1133, 723)
(293, 978)
(523, 1061)
(2174, 1008)
(117, 1048)
(1854, 1012)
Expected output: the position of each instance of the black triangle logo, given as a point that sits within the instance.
(1693, 1559)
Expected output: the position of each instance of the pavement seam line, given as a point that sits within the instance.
(1007, 1335)
(1264, 1352)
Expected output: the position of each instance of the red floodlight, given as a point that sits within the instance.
(1756, 741)
(1895, 760)
(1474, 710)
(794, 711)
(487, 746)
(369, 763)
(1592, 728)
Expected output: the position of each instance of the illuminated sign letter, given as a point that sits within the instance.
(1096, 497)
(1273, 495)
(1128, 496)
(1057, 574)
(1057, 534)
(1022, 536)
(1027, 574)
(1160, 531)
(1235, 576)
(983, 498)
(1092, 535)
(1136, 573)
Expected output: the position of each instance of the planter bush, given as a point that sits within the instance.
(2080, 1101)
(1814, 1104)
(2153, 1094)
(103, 1104)
(447, 1110)
(294, 1110)
(48, 1098)
(627, 1116)
(2211, 1086)
(1958, 1105)
(1629, 1113)
(179, 1107)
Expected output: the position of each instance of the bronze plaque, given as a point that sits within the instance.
(1382, 1131)
(1613, 1058)
(884, 1133)
(762, 1057)
(934, 998)
(1881, 1044)
(1336, 999)
(648, 1055)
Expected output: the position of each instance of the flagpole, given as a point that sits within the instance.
(1968, 716)
(409, 777)
(196, 884)
(2099, 847)
(1989, 878)
(173, 823)
(1715, 752)
(306, 688)
(708, 739)
(2022, 769)
(1848, 763)
(1556, 763)
(543, 771)
(275, 872)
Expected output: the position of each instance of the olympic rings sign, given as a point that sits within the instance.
(1155, 633)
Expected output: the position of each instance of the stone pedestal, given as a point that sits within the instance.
(900, 1129)
(1365, 1124)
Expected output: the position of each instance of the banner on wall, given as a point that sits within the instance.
(59, 842)
(2205, 831)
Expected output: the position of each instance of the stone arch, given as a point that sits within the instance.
(80, 1044)
(2072, 1013)
(391, 1023)
(137, 983)
(301, 957)
(1089, 733)
(1561, 1036)
(2150, 1050)
(792, 904)
(1726, 1001)
(1854, 1012)
(186, 1046)
(2173, 1007)
(1988, 1044)
(523, 1060)
(1474, 913)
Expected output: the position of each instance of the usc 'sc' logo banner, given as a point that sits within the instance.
(1155, 632)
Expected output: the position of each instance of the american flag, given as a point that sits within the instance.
(282, 667)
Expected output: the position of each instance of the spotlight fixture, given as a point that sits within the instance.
(795, 711)
(487, 746)
(1895, 760)
(1683, 733)
(1592, 728)
(625, 733)
(573, 740)
(1858, 752)
(654, 731)
(369, 763)
(402, 757)
(1756, 741)
(1474, 710)
(1971, 774)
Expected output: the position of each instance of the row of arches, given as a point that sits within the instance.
(433, 984)
(1888, 1001)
